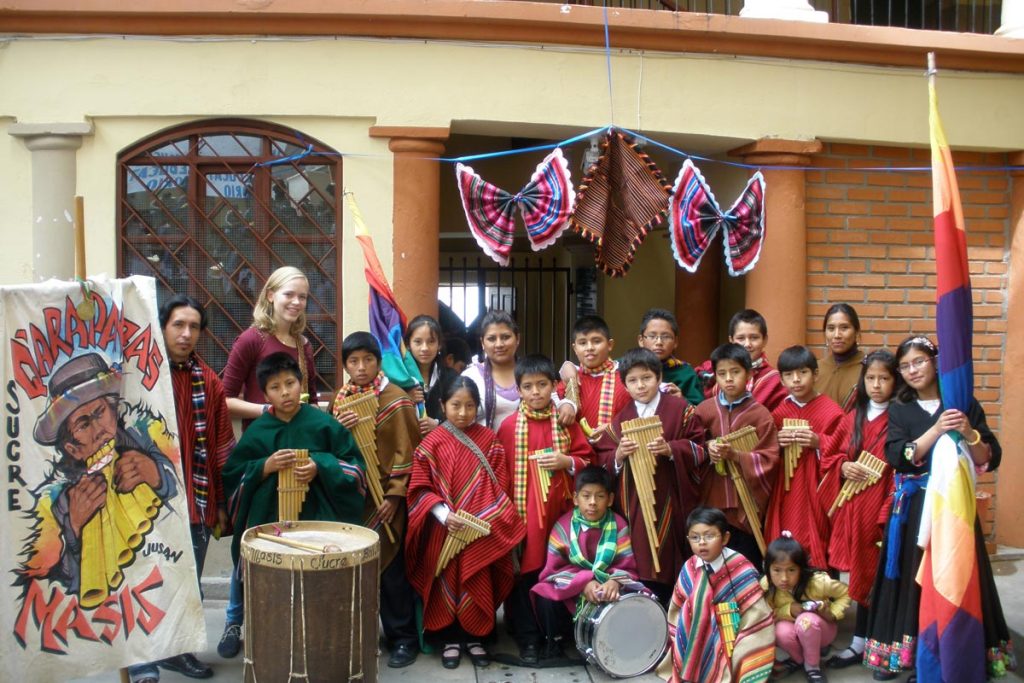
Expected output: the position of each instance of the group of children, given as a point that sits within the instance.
(540, 457)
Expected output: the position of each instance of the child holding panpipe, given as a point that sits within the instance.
(534, 430)
(808, 449)
(654, 500)
(460, 467)
(730, 411)
(720, 627)
(857, 525)
(396, 433)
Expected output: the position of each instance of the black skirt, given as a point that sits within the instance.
(893, 619)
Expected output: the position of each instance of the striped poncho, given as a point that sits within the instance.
(696, 651)
(479, 578)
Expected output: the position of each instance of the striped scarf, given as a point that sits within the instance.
(606, 545)
(607, 374)
(200, 476)
(351, 389)
(559, 438)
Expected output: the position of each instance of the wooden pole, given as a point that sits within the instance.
(80, 237)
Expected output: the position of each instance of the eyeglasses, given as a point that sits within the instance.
(654, 338)
(707, 538)
(915, 364)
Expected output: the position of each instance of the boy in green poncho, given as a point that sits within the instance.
(658, 333)
(335, 471)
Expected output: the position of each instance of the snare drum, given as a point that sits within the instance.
(310, 602)
(624, 638)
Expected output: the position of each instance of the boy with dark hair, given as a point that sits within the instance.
(699, 651)
(677, 454)
(397, 434)
(749, 329)
(601, 392)
(797, 508)
(334, 471)
(589, 557)
(733, 408)
(658, 333)
(541, 484)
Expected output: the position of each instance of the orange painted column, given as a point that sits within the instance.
(777, 287)
(697, 303)
(1009, 504)
(416, 216)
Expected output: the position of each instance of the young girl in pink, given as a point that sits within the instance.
(807, 605)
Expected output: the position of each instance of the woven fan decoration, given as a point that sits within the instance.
(695, 218)
(545, 204)
(622, 197)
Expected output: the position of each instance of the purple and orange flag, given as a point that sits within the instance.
(951, 643)
(387, 322)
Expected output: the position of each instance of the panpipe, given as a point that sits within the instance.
(642, 464)
(744, 440)
(456, 541)
(290, 493)
(365, 432)
(793, 450)
(728, 616)
(852, 488)
(543, 474)
(115, 532)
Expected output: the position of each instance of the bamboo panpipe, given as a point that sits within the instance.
(728, 615)
(291, 494)
(793, 451)
(745, 440)
(642, 464)
(456, 541)
(543, 474)
(852, 488)
(365, 432)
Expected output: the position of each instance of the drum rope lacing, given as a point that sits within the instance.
(302, 606)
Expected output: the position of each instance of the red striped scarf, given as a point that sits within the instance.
(560, 442)
(607, 374)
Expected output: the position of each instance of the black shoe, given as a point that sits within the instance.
(530, 654)
(478, 654)
(187, 665)
(815, 676)
(884, 676)
(403, 654)
(231, 642)
(449, 660)
(847, 657)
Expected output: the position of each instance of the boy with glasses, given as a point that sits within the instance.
(658, 333)
(720, 627)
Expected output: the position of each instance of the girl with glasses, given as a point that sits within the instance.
(915, 424)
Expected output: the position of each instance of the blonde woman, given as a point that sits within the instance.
(279, 320)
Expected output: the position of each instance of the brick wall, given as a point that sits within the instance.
(869, 243)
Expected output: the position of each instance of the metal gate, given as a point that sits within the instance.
(538, 294)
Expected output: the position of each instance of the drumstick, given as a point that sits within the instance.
(293, 544)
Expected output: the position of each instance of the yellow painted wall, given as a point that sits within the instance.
(335, 90)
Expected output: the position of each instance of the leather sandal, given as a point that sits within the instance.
(478, 654)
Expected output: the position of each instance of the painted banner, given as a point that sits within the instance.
(98, 556)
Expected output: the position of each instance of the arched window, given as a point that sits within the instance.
(211, 209)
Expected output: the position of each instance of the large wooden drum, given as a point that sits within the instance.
(310, 602)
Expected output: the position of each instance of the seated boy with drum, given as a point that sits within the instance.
(720, 627)
(589, 559)
(334, 471)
